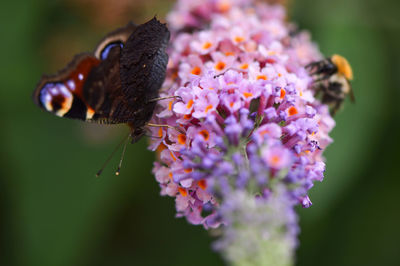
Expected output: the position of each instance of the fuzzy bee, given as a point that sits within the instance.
(332, 78)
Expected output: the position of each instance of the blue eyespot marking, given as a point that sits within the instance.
(56, 98)
(107, 49)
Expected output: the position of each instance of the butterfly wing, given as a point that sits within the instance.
(114, 84)
(143, 68)
(89, 88)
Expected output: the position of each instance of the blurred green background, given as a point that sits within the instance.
(53, 211)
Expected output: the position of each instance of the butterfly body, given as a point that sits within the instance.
(115, 83)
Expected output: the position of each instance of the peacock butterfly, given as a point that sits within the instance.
(114, 84)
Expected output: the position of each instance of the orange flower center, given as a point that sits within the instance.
(247, 94)
(224, 6)
(189, 104)
(160, 148)
(181, 139)
(220, 66)
(208, 108)
(160, 132)
(292, 111)
(244, 66)
(266, 131)
(183, 191)
(205, 134)
(202, 184)
(283, 93)
(196, 70)
(207, 45)
(239, 39)
(275, 159)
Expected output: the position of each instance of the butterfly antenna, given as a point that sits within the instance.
(111, 155)
(122, 157)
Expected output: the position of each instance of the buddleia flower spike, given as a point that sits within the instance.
(252, 132)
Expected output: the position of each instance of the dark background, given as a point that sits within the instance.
(53, 211)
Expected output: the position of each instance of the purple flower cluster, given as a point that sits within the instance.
(244, 118)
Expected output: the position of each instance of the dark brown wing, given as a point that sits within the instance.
(103, 91)
(143, 68)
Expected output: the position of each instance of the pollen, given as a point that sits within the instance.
(181, 139)
(170, 175)
(220, 66)
(208, 108)
(196, 71)
(283, 93)
(202, 184)
(292, 111)
(231, 104)
(229, 53)
(183, 191)
(189, 104)
(205, 134)
(264, 77)
(207, 45)
(247, 94)
(187, 117)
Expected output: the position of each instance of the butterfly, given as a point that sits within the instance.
(117, 83)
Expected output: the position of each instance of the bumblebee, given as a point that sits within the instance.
(332, 78)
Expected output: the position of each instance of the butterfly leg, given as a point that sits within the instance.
(230, 68)
(167, 126)
(165, 98)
